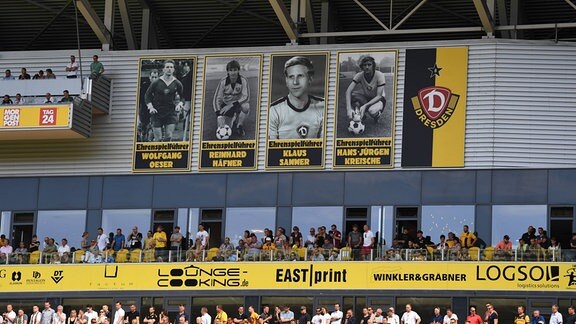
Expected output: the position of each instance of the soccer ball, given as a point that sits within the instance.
(356, 127)
(223, 133)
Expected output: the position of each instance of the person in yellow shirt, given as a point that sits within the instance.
(521, 318)
(221, 314)
(467, 238)
(253, 319)
(160, 243)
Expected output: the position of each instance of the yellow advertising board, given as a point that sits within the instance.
(34, 117)
(483, 276)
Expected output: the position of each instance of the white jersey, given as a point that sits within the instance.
(289, 122)
(317, 319)
(410, 317)
(228, 92)
(370, 88)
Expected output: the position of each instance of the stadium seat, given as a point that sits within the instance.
(474, 253)
(489, 253)
(302, 253)
(135, 255)
(78, 255)
(34, 257)
(211, 253)
(431, 251)
(346, 253)
(149, 255)
(122, 256)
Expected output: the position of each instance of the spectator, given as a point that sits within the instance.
(504, 248)
(34, 244)
(85, 242)
(286, 316)
(410, 316)
(480, 243)
(39, 76)
(491, 314)
(280, 239)
(317, 254)
(119, 240)
(335, 236)
(23, 75)
(541, 233)
(537, 318)
(72, 70)
(571, 318)
(96, 68)
(226, 251)
(437, 318)
(473, 317)
(21, 253)
(176, 239)
(295, 237)
(368, 242)
(64, 251)
(50, 250)
(402, 239)
(135, 239)
(7, 100)
(66, 97)
(310, 238)
(160, 243)
(49, 98)
(450, 316)
(5, 252)
(521, 317)
(50, 74)
(254, 248)
(149, 241)
(572, 254)
(8, 75)
(355, 241)
(544, 243)
(19, 99)
(530, 234)
(555, 316)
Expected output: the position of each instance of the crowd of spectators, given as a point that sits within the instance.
(71, 72)
(275, 315)
(319, 244)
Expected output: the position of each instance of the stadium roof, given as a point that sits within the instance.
(172, 24)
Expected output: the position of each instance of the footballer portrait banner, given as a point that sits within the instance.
(230, 112)
(434, 112)
(163, 114)
(297, 110)
(365, 105)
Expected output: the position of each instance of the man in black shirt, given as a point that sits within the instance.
(349, 317)
(571, 318)
(152, 317)
(241, 315)
(304, 317)
(133, 316)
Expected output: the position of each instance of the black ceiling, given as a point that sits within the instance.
(51, 24)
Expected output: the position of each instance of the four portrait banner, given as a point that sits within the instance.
(292, 102)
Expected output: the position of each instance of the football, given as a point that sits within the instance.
(356, 127)
(223, 133)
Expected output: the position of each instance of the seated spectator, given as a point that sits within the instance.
(268, 245)
(49, 99)
(5, 251)
(21, 253)
(92, 255)
(34, 244)
(19, 100)
(8, 75)
(480, 243)
(401, 240)
(66, 97)
(50, 74)
(572, 254)
(6, 100)
(280, 240)
(23, 75)
(254, 248)
(393, 255)
(534, 250)
(50, 250)
(310, 238)
(39, 76)
(530, 233)
(422, 241)
(64, 251)
(451, 239)
(522, 248)
(334, 255)
(503, 250)
(317, 255)
(241, 249)
(295, 237)
(96, 68)
(541, 233)
(226, 251)
(320, 239)
(455, 249)
(544, 242)
(554, 248)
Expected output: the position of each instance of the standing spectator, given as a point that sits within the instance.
(537, 318)
(34, 244)
(59, 316)
(437, 317)
(473, 316)
(39, 76)
(325, 316)
(152, 317)
(21, 317)
(23, 75)
(491, 314)
(64, 252)
(6, 100)
(49, 98)
(571, 318)
(66, 97)
(119, 240)
(350, 319)
(221, 314)
(160, 243)
(555, 317)
(355, 242)
(521, 317)
(176, 239)
(119, 314)
(50, 74)
(265, 317)
(72, 68)
(392, 317)
(36, 317)
(252, 315)
(19, 99)
(90, 314)
(286, 316)
(102, 239)
(96, 70)
(206, 318)
(450, 317)
(133, 316)
(295, 237)
(8, 75)
(181, 313)
(85, 242)
(10, 315)
(304, 317)
(280, 239)
(368, 244)
(135, 239)
(310, 238)
(467, 238)
(337, 315)
(47, 314)
(335, 236)
(410, 316)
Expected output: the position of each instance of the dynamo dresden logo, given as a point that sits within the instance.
(434, 106)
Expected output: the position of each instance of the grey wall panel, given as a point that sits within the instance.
(284, 218)
(199, 190)
(248, 190)
(562, 187)
(318, 189)
(448, 187)
(128, 192)
(93, 221)
(284, 189)
(19, 194)
(382, 188)
(483, 187)
(63, 193)
(483, 223)
(519, 187)
(95, 192)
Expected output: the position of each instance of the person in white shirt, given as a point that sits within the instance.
(450, 316)
(367, 243)
(72, 68)
(336, 316)
(206, 318)
(64, 247)
(47, 314)
(102, 240)
(393, 318)
(36, 316)
(317, 319)
(90, 313)
(378, 317)
(556, 317)
(202, 235)
(410, 316)
(10, 315)
(59, 316)
(325, 316)
(119, 314)
(19, 100)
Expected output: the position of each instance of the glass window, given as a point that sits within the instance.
(514, 220)
(125, 219)
(307, 217)
(193, 219)
(253, 219)
(5, 223)
(437, 220)
(59, 224)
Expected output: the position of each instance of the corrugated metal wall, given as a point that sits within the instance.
(521, 111)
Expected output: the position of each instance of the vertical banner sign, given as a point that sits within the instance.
(230, 112)
(435, 107)
(296, 115)
(164, 113)
(366, 91)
